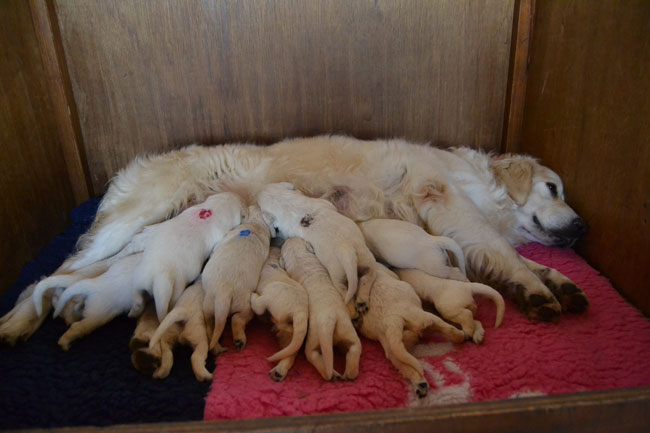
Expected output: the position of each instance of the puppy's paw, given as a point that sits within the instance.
(361, 308)
(144, 361)
(336, 377)
(277, 375)
(239, 344)
(422, 389)
(137, 343)
(218, 350)
(479, 332)
(203, 376)
(64, 344)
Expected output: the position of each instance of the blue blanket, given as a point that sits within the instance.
(94, 383)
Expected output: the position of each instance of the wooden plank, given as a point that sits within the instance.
(35, 194)
(60, 89)
(522, 28)
(153, 76)
(595, 412)
(588, 117)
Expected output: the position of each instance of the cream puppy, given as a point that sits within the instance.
(157, 361)
(188, 314)
(405, 245)
(336, 239)
(329, 321)
(105, 297)
(287, 302)
(232, 274)
(397, 317)
(454, 299)
(175, 250)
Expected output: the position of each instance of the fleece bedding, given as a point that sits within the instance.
(94, 383)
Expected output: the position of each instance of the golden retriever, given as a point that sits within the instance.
(488, 204)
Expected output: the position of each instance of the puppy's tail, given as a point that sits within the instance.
(80, 288)
(174, 316)
(347, 257)
(494, 296)
(452, 247)
(222, 303)
(300, 324)
(45, 285)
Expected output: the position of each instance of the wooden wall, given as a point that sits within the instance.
(35, 194)
(587, 115)
(153, 76)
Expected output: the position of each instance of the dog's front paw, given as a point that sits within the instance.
(534, 305)
(239, 344)
(277, 375)
(570, 296)
(422, 389)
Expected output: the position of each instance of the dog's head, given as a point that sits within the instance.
(542, 215)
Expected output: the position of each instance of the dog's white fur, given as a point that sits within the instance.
(187, 314)
(396, 317)
(487, 204)
(105, 297)
(454, 299)
(287, 302)
(232, 274)
(336, 239)
(329, 322)
(175, 250)
(405, 245)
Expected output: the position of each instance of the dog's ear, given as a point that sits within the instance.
(516, 175)
(269, 220)
(288, 185)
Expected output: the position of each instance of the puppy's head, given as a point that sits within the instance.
(538, 193)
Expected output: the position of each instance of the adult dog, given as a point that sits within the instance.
(486, 203)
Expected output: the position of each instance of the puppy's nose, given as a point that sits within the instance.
(579, 227)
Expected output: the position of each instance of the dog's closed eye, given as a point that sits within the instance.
(552, 188)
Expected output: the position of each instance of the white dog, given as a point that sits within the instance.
(232, 274)
(336, 239)
(396, 319)
(287, 302)
(405, 245)
(454, 299)
(486, 203)
(175, 251)
(329, 322)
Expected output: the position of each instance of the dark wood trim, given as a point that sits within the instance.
(522, 27)
(604, 411)
(65, 110)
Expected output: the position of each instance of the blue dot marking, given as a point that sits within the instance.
(245, 233)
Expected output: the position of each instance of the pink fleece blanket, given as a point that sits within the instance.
(608, 347)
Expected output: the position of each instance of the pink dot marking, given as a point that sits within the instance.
(205, 214)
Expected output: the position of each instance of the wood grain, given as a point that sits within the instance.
(153, 76)
(588, 117)
(35, 195)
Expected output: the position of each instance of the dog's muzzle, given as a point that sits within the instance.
(567, 236)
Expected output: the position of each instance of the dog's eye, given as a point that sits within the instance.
(553, 188)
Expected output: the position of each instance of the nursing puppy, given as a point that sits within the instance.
(397, 318)
(329, 320)
(336, 239)
(105, 297)
(287, 302)
(175, 250)
(187, 319)
(232, 274)
(158, 360)
(454, 299)
(405, 245)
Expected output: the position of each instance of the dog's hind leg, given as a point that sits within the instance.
(347, 336)
(83, 327)
(407, 365)
(199, 356)
(238, 322)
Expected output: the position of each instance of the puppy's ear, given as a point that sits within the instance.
(288, 185)
(516, 175)
(269, 220)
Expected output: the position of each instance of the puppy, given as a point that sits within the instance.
(188, 315)
(158, 360)
(397, 318)
(454, 299)
(105, 297)
(232, 274)
(287, 302)
(405, 245)
(175, 250)
(329, 322)
(336, 239)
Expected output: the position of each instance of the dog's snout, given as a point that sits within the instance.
(579, 227)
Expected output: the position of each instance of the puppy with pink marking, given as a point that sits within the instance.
(175, 250)
(336, 239)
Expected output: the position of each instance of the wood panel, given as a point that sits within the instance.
(152, 76)
(35, 194)
(588, 116)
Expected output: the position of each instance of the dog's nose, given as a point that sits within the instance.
(579, 227)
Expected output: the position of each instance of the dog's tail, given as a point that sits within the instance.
(494, 296)
(347, 257)
(300, 325)
(79, 288)
(162, 290)
(222, 304)
(452, 247)
(56, 282)
(174, 316)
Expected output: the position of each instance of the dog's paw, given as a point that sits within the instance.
(137, 343)
(571, 297)
(479, 332)
(422, 389)
(203, 376)
(218, 350)
(361, 308)
(145, 362)
(534, 305)
(336, 377)
(239, 344)
(277, 375)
